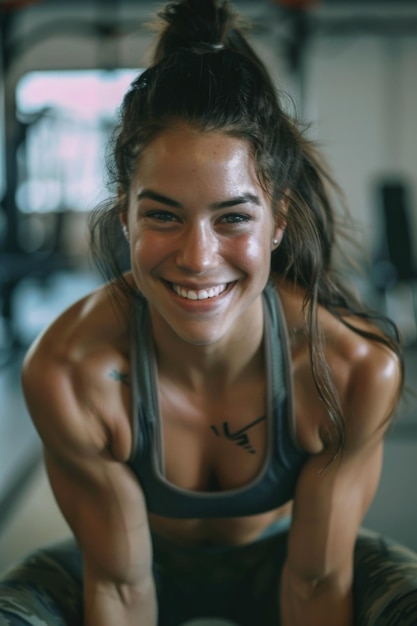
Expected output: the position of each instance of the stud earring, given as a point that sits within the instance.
(275, 242)
(125, 231)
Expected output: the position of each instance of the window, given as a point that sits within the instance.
(68, 117)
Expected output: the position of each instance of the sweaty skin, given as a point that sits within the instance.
(201, 232)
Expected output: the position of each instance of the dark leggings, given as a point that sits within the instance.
(235, 583)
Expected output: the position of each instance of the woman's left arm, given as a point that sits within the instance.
(331, 500)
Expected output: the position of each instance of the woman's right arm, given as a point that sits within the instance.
(95, 490)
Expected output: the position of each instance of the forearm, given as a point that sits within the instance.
(326, 603)
(107, 603)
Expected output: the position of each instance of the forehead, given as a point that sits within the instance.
(184, 153)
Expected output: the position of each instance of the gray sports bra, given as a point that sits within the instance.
(274, 485)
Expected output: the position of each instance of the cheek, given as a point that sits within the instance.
(148, 250)
(143, 263)
(253, 252)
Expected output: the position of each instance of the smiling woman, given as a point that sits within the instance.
(213, 417)
(201, 232)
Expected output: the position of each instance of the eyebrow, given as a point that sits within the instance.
(247, 198)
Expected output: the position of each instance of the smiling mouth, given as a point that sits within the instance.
(199, 294)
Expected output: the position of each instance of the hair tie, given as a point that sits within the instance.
(205, 46)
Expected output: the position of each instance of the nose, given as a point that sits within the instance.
(198, 250)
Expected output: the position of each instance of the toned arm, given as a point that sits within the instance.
(77, 414)
(331, 500)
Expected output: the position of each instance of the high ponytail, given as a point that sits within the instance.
(203, 26)
(193, 24)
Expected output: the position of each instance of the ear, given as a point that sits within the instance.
(278, 235)
(124, 222)
(121, 199)
(123, 214)
(280, 221)
(123, 219)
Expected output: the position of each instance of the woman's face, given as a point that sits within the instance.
(201, 233)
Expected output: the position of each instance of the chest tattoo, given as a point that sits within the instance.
(239, 437)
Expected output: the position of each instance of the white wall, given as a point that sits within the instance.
(362, 97)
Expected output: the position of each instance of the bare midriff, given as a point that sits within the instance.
(231, 531)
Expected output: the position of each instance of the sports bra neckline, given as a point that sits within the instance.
(279, 388)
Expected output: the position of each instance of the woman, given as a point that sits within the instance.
(228, 386)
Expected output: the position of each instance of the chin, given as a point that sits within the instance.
(199, 339)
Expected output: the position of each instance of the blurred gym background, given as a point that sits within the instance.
(349, 68)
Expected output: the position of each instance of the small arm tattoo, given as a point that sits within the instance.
(240, 437)
(120, 376)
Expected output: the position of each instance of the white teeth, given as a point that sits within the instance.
(201, 294)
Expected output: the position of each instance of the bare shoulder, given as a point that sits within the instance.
(372, 383)
(75, 378)
(365, 374)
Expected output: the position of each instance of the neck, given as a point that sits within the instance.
(217, 365)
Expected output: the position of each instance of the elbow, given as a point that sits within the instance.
(317, 601)
(120, 596)
(307, 586)
(301, 587)
(132, 595)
